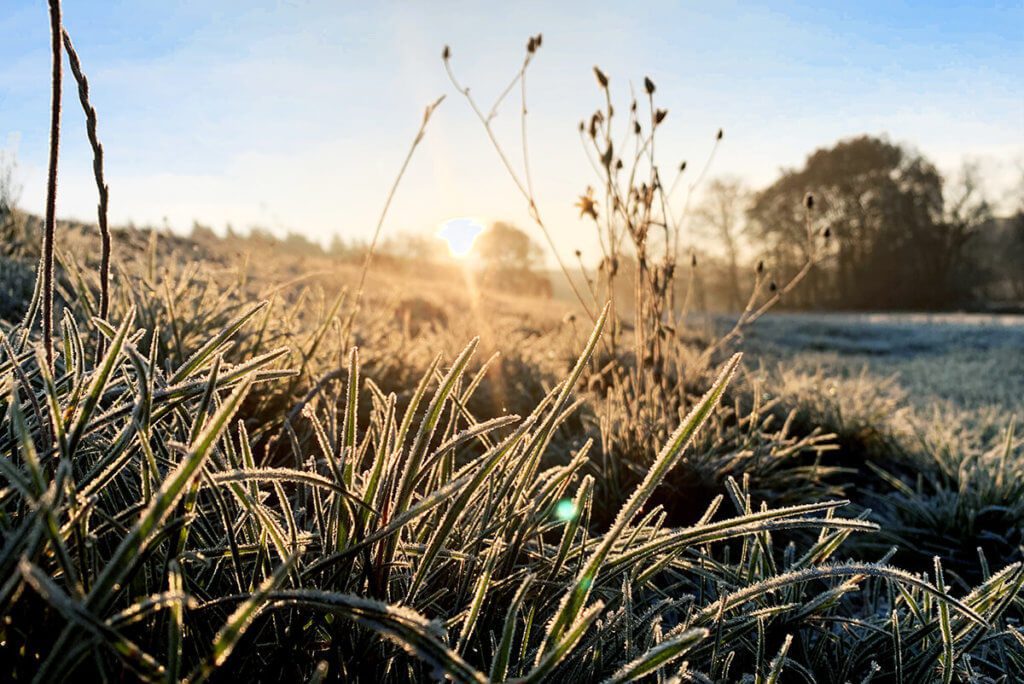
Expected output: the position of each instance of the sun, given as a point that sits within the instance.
(459, 234)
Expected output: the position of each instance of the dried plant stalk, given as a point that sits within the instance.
(101, 186)
(49, 227)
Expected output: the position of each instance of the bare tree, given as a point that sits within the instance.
(721, 216)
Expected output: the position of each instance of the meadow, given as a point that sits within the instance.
(798, 532)
(225, 461)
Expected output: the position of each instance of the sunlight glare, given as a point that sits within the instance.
(459, 234)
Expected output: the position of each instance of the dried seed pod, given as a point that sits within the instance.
(636, 127)
(809, 201)
(826, 233)
(446, 53)
(659, 116)
(648, 85)
(682, 166)
(693, 260)
(606, 158)
(772, 287)
(602, 80)
(720, 134)
(760, 267)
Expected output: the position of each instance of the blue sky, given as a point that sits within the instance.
(296, 114)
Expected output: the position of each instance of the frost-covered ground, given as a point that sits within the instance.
(966, 361)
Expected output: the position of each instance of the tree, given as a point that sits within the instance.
(509, 259)
(966, 212)
(721, 215)
(896, 240)
(503, 247)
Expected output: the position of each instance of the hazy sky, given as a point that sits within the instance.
(296, 114)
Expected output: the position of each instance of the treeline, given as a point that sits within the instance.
(503, 256)
(899, 234)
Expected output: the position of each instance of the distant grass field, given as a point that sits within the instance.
(967, 361)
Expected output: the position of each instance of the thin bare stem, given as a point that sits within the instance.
(50, 225)
(101, 185)
(384, 212)
(751, 312)
(689, 192)
(485, 120)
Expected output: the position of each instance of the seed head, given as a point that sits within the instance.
(682, 166)
(602, 80)
(826, 233)
(578, 254)
(648, 85)
(809, 201)
(606, 158)
(636, 127)
(760, 266)
(720, 134)
(772, 287)
(531, 45)
(446, 53)
(659, 116)
(693, 260)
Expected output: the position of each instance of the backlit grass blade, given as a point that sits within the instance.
(567, 641)
(202, 354)
(240, 620)
(111, 578)
(574, 600)
(407, 628)
(502, 656)
(98, 383)
(659, 656)
(447, 525)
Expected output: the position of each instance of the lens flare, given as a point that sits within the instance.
(565, 510)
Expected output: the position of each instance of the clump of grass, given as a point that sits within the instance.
(957, 500)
